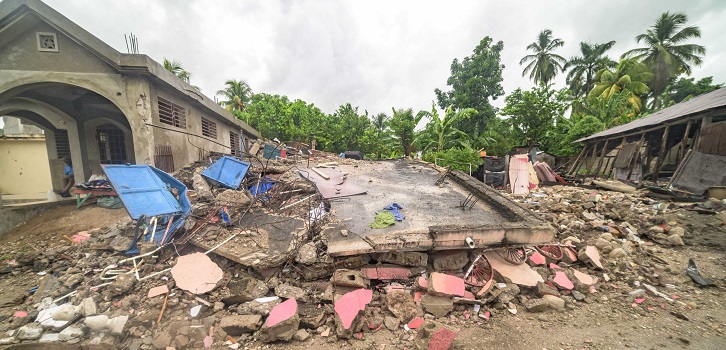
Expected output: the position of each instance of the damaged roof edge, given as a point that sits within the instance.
(708, 102)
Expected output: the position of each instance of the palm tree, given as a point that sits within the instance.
(237, 93)
(583, 69)
(544, 64)
(630, 78)
(665, 53)
(175, 67)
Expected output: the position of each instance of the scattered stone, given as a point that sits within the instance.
(676, 239)
(122, 284)
(677, 231)
(554, 302)
(617, 253)
(301, 335)
(307, 254)
(236, 325)
(578, 296)
(656, 229)
(392, 323)
(31, 331)
(102, 322)
(66, 312)
(536, 305)
(287, 291)
(546, 289)
(88, 307)
(402, 306)
(245, 288)
(201, 187)
(437, 305)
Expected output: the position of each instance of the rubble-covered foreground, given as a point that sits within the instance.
(620, 258)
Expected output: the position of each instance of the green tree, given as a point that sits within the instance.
(441, 133)
(497, 139)
(684, 89)
(532, 113)
(629, 78)
(613, 110)
(403, 124)
(473, 81)
(544, 64)
(345, 127)
(175, 67)
(237, 94)
(455, 158)
(581, 77)
(666, 52)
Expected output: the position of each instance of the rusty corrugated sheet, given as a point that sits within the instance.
(698, 104)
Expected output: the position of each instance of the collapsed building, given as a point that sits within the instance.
(681, 148)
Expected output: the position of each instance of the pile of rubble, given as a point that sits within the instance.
(251, 267)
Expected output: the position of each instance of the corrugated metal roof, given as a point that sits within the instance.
(698, 104)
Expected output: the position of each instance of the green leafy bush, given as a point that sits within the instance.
(456, 158)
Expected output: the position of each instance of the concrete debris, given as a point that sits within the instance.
(196, 273)
(271, 277)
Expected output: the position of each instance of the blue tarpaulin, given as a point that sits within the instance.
(148, 192)
(227, 172)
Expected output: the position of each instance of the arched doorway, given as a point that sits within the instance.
(77, 122)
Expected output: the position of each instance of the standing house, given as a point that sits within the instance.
(683, 145)
(101, 106)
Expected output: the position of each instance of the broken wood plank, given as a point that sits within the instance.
(321, 174)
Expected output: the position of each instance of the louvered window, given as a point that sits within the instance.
(172, 114)
(209, 128)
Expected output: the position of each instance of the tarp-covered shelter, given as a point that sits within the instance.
(683, 145)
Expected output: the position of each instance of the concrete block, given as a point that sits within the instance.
(236, 325)
(436, 305)
(450, 261)
(350, 278)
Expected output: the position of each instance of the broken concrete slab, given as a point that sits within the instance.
(282, 323)
(493, 220)
(520, 274)
(401, 305)
(590, 254)
(386, 273)
(350, 304)
(404, 258)
(536, 305)
(245, 288)
(450, 261)
(583, 277)
(446, 285)
(437, 305)
(350, 278)
(562, 281)
(236, 325)
(287, 291)
(196, 273)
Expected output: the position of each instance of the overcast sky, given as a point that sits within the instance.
(373, 54)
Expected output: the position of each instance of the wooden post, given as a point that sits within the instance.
(599, 161)
(684, 142)
(661, 154)
(573, 167)
(678, 169)
(589, 166)
(636, 156)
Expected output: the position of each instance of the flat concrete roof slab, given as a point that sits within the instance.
(434, 217)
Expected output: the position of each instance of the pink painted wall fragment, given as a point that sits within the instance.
(415, 323)
(158, 291)
(562, 281)
(594, 255)
(282, 312)
(348, 306)
(520, 274)
(583, 277)
(537, 258)
(423, 283)
(447, 284)
(442, 339)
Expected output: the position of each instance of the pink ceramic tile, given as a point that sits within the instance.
(348, 306)
(282, 312)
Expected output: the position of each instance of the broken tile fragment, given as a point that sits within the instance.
(520, 274)
(415, 323)
(282, 323)
(537, 259)
(386, 273)
(442, 339)
(282, 312)
(446, 285)
(590, 254)
(196, 273)
(561, 281)
(583, 277)
(156, 291)
(350, 304)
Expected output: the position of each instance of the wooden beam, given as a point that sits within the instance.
(599, 161)
(573, 168)
(684, 142)
(622, 144)
(661, 154)
(590, 164)
(635, 156)
(679, 169)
